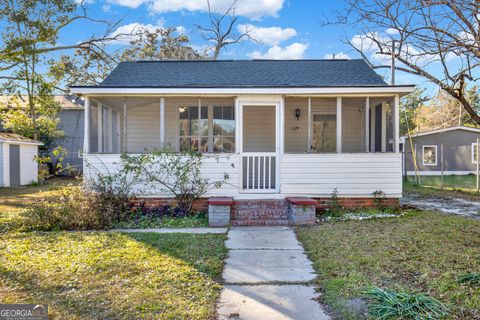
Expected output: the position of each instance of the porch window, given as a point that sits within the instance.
(474, 152)
(430, 155)
(213, 130)
(223, 129)
(193, 128)
(323, 133)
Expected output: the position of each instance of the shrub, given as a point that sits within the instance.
(176, 173)
(76, 209)
(404, 305)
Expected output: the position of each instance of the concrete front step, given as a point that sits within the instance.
(269, 212)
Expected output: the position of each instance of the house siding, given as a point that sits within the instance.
(313, 175)
(457, 152)
(6, 164)
(143, 128)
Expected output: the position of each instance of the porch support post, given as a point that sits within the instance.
(281, 126)
(110, 130)
(367, 124)
(238, 129)
(309, 133)
(162, 121)
(396, 132)
(384, 127)
(125, 114)
(100, 127)
(86, 126)
(339, 124)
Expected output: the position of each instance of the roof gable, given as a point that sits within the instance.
(243, 74)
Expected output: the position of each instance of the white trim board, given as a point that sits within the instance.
(439, 173)
(426, 133)
(320, 90)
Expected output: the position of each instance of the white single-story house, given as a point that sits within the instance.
(291, 128)
(17, 160)
(448, 151)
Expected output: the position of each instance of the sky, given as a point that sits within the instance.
(286, 29)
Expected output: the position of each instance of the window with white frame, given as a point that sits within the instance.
(211, 130)
(474, 152)
(429, 155)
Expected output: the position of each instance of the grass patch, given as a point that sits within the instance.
(457, 185)
(421, 252)
(103, 275)
(145, 222)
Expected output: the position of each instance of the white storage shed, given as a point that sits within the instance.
(17, 160)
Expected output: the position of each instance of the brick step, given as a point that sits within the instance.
(261, 214)
(262, 222)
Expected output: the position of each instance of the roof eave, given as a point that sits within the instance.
(365, 89)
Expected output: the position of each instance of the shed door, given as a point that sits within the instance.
(14, 165)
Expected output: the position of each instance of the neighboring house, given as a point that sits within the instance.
(451, 150)
(303, 128)
(17, 160)
(71, 122)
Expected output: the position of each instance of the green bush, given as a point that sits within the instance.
(387, 305)
(76, 209)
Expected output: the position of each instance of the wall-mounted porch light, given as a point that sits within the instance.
(297, 113)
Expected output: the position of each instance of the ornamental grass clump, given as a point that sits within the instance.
(386, 305)
(472, 278)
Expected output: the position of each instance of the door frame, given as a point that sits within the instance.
(240, 143)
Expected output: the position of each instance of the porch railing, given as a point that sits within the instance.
(259, 172)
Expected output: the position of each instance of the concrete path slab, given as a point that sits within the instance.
(282, 238)
(175, 230)
(269, 302)
(256, 266)
(267, 276)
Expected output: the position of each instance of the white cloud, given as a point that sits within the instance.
(254, 9)
(106, 8)
(182, 30)
(340, 55)
(392, 31)
(268, 35)
(129, 32)
(293, 51)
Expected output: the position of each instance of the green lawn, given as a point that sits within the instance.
(423, 252)
(459, 185)
(102, 275)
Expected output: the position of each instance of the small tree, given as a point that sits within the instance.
(175, 173)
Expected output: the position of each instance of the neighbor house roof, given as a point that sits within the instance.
(243, 73)
(425, 133)
(16, 138)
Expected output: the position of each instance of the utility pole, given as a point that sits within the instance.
(392, 76)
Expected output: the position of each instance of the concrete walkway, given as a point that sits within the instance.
(267, 276)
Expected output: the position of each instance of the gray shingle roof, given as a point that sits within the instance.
(243, 73)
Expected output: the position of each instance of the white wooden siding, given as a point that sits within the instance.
(6, 164)
(28, 165)
(143, 128)
(354, 175)
(107, 164)
(1, 164)
(313, 175)
(296, 131)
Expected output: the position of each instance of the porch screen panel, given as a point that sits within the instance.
(353, 124)
(323, 125)
(193, 128)
(223, 129)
